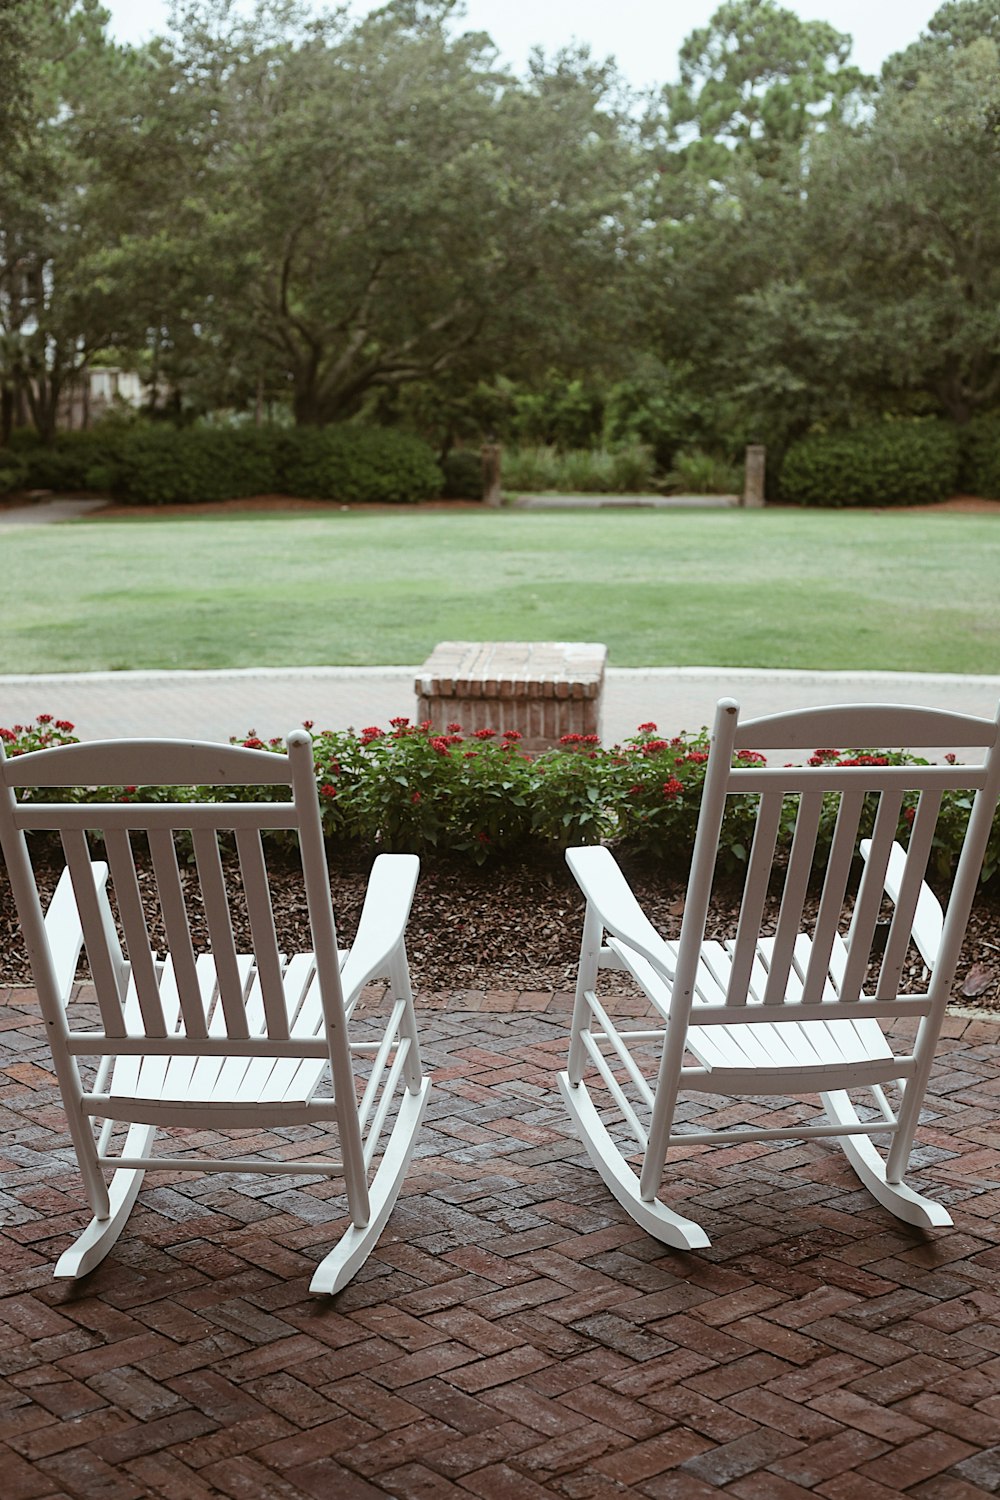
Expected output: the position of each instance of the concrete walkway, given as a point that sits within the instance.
(273, 700)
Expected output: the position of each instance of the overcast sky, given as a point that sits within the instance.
(643, 35)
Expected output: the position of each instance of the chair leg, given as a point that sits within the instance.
(586, 983)
(356, 1244)
(90, 1248)
(401, 989)
(911, 1207)
(650, 1214)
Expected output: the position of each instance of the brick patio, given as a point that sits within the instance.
(514, 1334)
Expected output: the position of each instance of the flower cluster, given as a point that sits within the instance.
(46, 732)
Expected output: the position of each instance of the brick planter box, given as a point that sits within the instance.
(543, 689)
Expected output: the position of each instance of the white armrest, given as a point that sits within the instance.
(928, 919)
(64, 930)
(383, 921)
(599, 877)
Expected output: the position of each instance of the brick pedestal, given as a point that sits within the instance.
(543, 689)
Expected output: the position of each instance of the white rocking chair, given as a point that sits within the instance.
(222, 1039)
(791, 1012)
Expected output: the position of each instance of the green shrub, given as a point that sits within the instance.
(698, 473)
(13, 472)
(358, 464)
(416, 789)
(170, 466)
(86, 460)
(463, 475)
(883, 464)
(981, 455)
(627, 470)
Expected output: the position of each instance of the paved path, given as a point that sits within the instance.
(513, 1333)
(215, 705)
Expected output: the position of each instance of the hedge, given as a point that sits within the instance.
(413, 789)
(887, 463)
(981, 456)
(357, 463)
(144, 464)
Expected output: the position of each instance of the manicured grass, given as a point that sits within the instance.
(782, 588)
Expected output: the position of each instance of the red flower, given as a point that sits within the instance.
(307, 723)
(909, 813)
(751, 758)
(415, 797)
(440, 744)
(253, 743)
(512, 734)
(328, 789)
(569, 739)
(653, 747)
(45, 718)
(7, 735)
(672, 787)
(453, 728)
(697, 757)
(65, 726)
(649, 728)
(951, 757)
(485, 734)
(399, 723)
(483, 838)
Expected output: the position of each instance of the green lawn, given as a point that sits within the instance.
(782, 588)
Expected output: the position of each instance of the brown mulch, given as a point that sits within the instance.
(513, 927)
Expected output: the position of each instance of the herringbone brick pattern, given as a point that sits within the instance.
(514, 1334)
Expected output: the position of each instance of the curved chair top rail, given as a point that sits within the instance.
(150, 763)
(854, 725)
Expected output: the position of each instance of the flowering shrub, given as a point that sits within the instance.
(412, 788)
(43, 734)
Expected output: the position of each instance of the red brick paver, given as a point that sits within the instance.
(514, 1334)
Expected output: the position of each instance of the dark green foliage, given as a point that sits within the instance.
(357, 464)
(159, 465)
(73, 460)
(981, 455)
(166, 466)
(883, 464)
(463, 475)
(13, 472)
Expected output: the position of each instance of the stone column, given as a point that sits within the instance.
(753, 475)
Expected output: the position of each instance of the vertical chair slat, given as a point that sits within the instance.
(905, 906)
(175, 921)
(265, 942)
(107, 965)
(831, 905)
(220, 927)
(137, 940)
(754, 896)
(870, 892)
(793, 897)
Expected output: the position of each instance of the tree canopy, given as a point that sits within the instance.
(326, 213)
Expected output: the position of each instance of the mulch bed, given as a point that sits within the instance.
(512, 927)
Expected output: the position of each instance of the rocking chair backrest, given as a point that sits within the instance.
(180, 1009)
(864, 793)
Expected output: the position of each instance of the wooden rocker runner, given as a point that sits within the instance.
(794, 1011)
(217, 1040)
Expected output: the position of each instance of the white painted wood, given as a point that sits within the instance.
(792, 1011)
(224, 1039)
(652, 1214)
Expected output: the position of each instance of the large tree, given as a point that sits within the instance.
(60, 299)
(379, 203)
